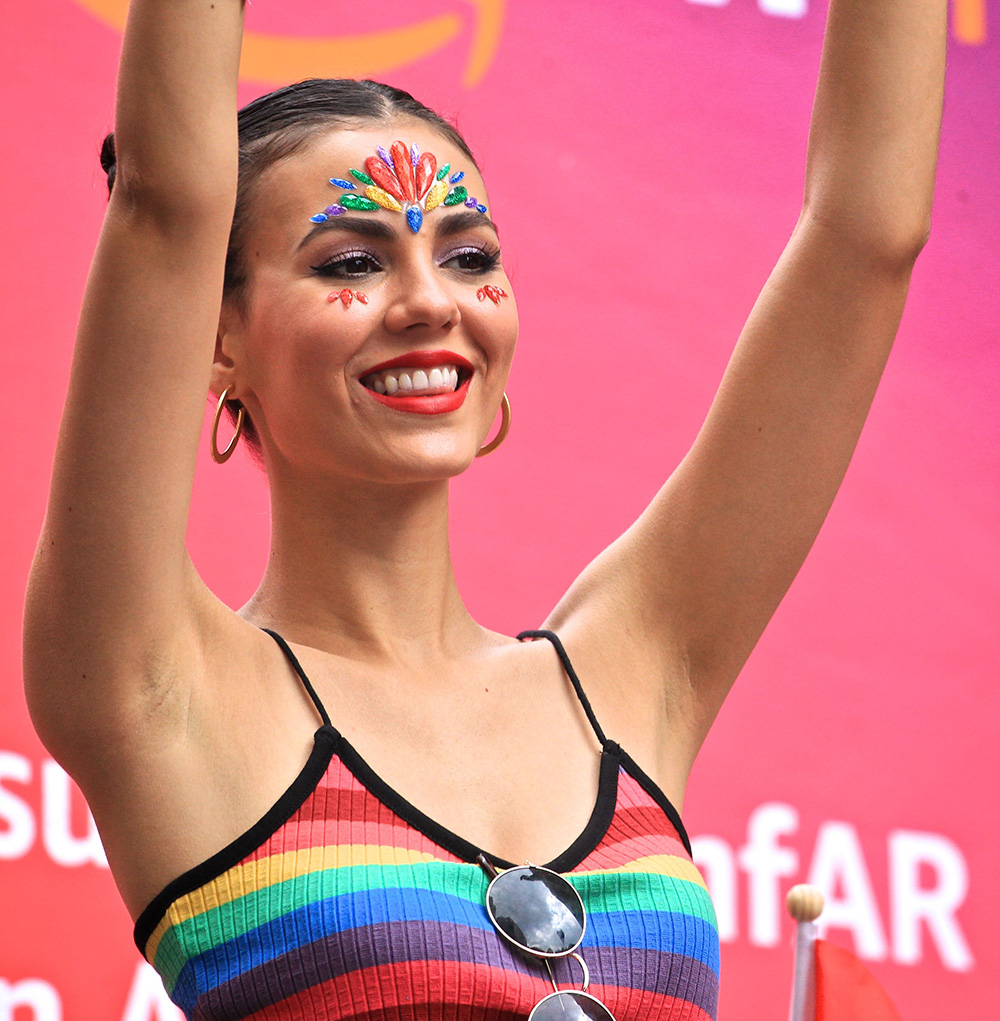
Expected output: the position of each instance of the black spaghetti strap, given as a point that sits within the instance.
(297, 667)
(577, 686)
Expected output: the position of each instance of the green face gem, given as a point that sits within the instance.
(361, 176)
(360, 202)
(444, 170)
(453, 197)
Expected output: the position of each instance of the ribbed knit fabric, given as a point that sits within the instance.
(346, 902)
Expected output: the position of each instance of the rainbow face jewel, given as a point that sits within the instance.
(403, 181)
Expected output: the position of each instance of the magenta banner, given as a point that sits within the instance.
(645, 162)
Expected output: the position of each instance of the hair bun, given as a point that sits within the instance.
(108, 161)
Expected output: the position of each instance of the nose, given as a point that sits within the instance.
(422, 300)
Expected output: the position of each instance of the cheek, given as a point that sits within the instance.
(495, 323)
(303, 340)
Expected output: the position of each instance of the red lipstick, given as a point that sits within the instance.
(422, 360)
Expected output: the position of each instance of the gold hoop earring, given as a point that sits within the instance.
(221, 456)
(504, 428)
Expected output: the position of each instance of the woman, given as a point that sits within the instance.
(320, 847)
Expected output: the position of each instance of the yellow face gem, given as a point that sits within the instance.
(383, 198)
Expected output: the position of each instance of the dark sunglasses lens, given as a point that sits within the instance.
(537, 910)
(570, 1006)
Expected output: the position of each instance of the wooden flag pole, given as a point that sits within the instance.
(805, 905)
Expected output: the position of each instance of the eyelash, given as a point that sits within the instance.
(489, 256)
(489, 259)
(332, 266)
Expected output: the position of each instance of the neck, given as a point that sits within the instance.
(363, 569)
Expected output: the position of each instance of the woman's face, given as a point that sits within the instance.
(308, 367)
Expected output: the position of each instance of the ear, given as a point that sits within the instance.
(228, 354)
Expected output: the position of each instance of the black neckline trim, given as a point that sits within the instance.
(324, 742)
(650, 786)
(591, 835)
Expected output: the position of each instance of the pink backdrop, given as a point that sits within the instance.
(659, 144)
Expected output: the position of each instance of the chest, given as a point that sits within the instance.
(351, 906)
(504, 757)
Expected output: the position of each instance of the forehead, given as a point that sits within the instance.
(296, 188)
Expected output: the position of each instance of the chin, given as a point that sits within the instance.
(431, 459)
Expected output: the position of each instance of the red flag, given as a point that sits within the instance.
(846, 990)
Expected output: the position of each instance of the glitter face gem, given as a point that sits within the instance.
(402, 180)
(347, 296)
(495, 294)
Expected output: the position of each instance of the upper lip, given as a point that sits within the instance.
(422, 360)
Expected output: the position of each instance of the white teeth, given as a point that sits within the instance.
(415, 379)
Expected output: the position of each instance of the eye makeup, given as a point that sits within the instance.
(486, 259)
(340, 264)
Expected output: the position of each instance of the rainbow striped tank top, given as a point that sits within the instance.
(346, 903)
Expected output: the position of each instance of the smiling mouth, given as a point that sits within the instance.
(424, 382)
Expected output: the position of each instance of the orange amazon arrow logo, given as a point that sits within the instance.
(278, 59)
(968, 21)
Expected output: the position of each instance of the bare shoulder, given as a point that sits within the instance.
(181, 774)
(99, 699)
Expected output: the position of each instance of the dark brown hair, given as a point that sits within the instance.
(277, 125)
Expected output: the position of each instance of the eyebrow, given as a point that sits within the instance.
(364, 226)
(455, 223)
(444, 226)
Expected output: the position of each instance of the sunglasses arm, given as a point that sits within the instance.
(486, 865)
(583, 964)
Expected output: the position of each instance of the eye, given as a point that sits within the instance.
(473, 260)
(351, 264)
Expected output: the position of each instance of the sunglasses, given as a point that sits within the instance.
(540, 913)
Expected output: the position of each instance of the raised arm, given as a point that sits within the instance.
(698, 577)
(112, 601)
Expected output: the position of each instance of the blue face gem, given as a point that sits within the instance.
(481, 208)
(385, 157)
(339, 182)
(455, 178)
(414, 217)
(319, 218)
